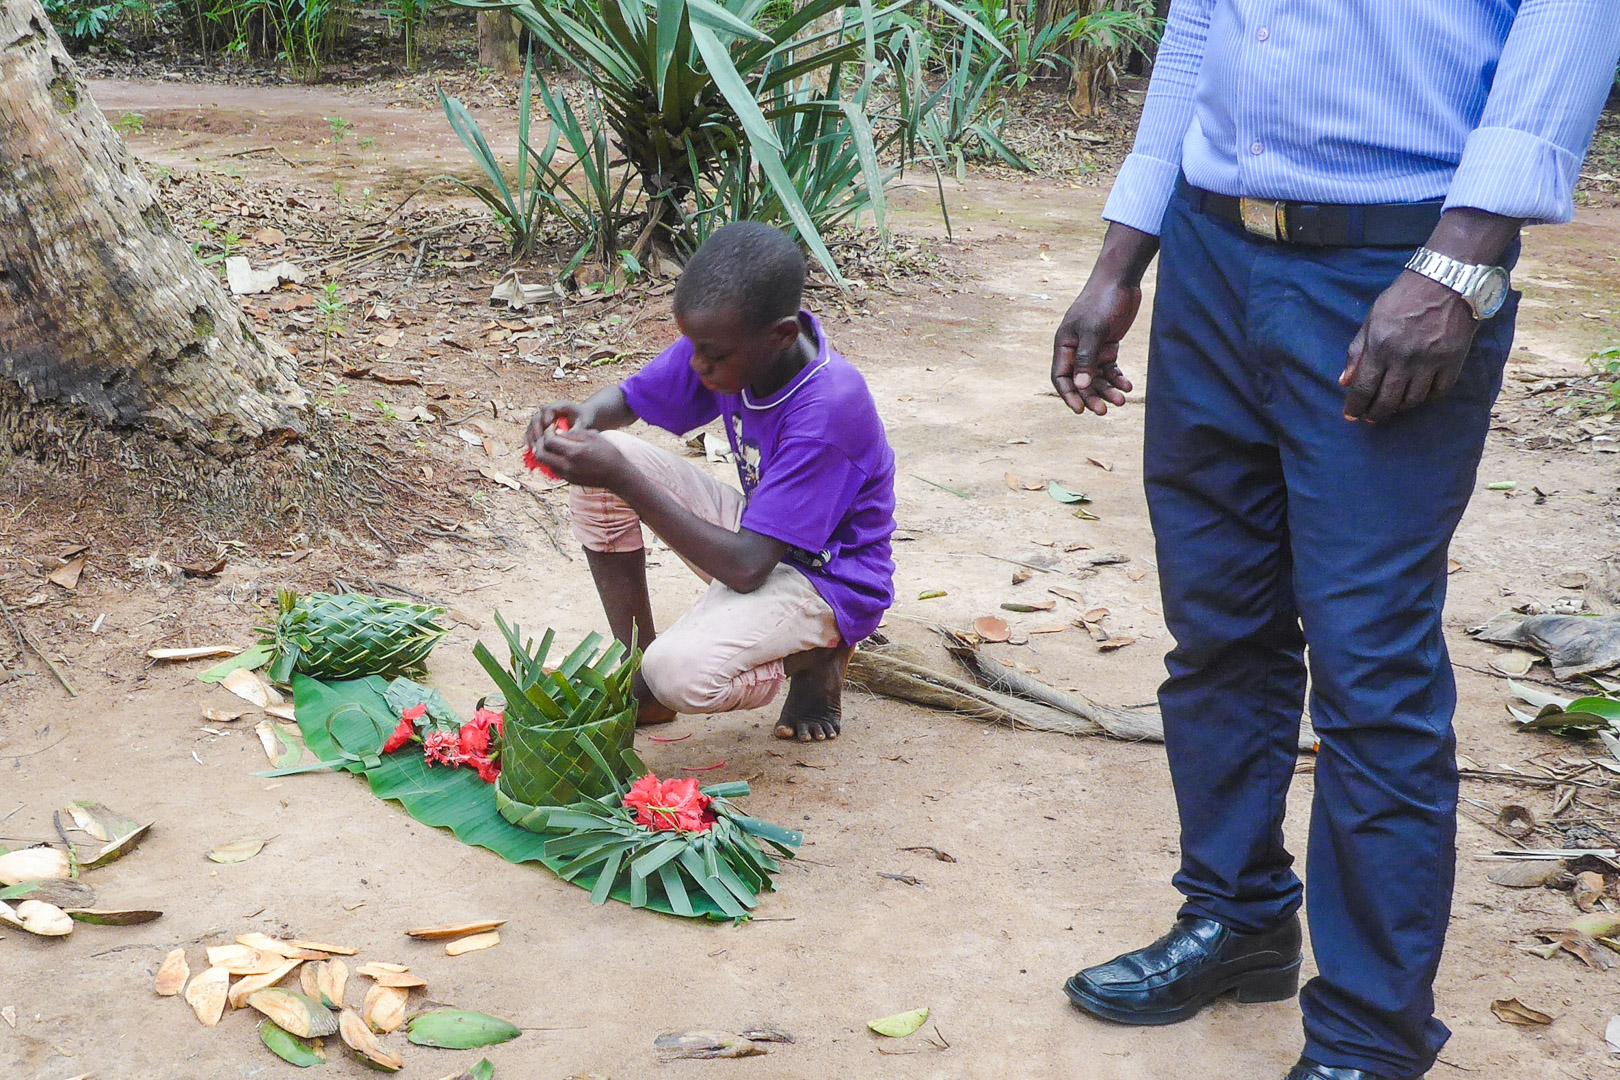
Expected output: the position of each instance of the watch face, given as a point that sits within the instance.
(1491, 292)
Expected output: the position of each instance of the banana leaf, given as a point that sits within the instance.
(346, 722)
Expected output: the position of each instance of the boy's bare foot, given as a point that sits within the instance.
(813, 711)
(649, 710)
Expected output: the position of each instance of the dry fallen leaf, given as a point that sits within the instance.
(324, 946)
(236, 851)
(358, 1037)
(250, 687)
(384, 977)
(1588, 889)
(384, 1008)
(1051, 628)
(223, 716)
(1115, 643)
(199, 652)
(1103, 465)
(1525, 874)
(1095, 615)
(206, 995)
(454, 930)
(9, 1015)
(991, 629)
(1514, 1011)
(1067, 594)
(499, 477)
(252, 984)
(67, 575)
(172, 976)
(673, 1046)
(1022, 575)
(266, 943)
(474, 943)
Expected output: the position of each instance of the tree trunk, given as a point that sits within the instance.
(498, 42)
(105, 314)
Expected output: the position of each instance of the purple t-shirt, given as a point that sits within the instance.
(815, 465)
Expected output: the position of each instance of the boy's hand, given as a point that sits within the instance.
(582, 457)
(542, 422)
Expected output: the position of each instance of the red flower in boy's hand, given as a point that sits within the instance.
(406, 731)
(532, 462)
(669, 805)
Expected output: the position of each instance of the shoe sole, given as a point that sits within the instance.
(1250, 988)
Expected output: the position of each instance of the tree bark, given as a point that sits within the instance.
(498, 42)
(106, 315)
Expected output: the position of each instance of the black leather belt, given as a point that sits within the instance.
(1322, 224)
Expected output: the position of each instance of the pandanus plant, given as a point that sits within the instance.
(691, 88)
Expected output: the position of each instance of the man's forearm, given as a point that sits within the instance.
(1474, 236)
(1126, 254)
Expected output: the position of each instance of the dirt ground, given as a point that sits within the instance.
(1063, 847)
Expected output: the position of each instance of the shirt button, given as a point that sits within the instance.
(1256, 148)
(1262, 34)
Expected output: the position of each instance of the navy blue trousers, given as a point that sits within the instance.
(1281, 527)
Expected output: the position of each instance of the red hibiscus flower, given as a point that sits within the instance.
(442, 748)
(491, 718)
(533, 462)
(669, 805)
(406, 731)
(474, 741)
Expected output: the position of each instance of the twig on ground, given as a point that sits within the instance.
(392, 550)
(23, 639)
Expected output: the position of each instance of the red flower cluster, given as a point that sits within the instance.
(406, 731)
(471, 746)
(532, 462)
(669, 805)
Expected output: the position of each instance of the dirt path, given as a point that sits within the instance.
(1063, 848)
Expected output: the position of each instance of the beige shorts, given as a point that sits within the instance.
(726, 653)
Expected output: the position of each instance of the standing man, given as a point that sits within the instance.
(1337, 189)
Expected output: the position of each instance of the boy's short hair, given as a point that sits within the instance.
(746, 266)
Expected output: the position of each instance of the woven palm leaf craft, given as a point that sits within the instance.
(349, 636)
(552, 716)
(600, 838)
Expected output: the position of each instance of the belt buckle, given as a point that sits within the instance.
(1264, 218)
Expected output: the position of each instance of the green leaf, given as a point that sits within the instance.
(1064, 495)
(289, 1047)
(1607, 708)
(458, 1029)
(481, 1071)
(405, 693)
(899, 1025)
(22, 888)
(251, 658)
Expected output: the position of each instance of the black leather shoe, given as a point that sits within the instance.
(1188, 968)
(1307, 1069)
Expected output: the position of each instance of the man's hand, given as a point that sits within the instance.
(1085, 350)
(1410, 348)
(582, 457)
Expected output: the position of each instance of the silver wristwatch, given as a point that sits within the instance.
(1485, 288)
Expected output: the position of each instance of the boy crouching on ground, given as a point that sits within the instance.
(798, 561)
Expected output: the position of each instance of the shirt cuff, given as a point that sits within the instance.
(1142, 193)
(1516, 174)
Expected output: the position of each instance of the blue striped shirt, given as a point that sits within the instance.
(1486, 103)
